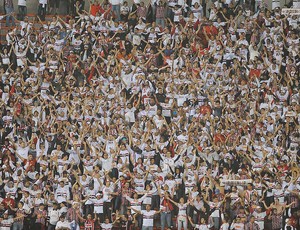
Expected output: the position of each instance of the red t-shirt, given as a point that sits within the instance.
(95, 9)
(254, 73)
(31, 163)
(8, 201)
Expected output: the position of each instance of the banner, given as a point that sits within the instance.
(290, 11)
(235, 182)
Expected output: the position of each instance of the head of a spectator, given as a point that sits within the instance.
(148, 207)
(10, 184)
(55, 206)
(62, 217)
(99, 195)
(62, 183)
(26, 193)
(106, 220)
(107, 183)
(41, 206)
(5, 215)
(135, 196)
(181, 200)
(89, 216)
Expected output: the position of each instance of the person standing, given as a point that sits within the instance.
(54, 217)
(22, 8)
(182, 221)
(41, 215)
(6, 222)
(42, 9)
(54, 6)
(72, 216)
(98, 206)
(89, 223)
(148, 217)
(160, 11)
(116, 6)
(166, 209)
(63, 224)
(251, 224)
(9, 9)
(19, 216)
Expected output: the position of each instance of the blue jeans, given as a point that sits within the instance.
(8, 17)
(160, 22)
(17, 226)
(116, 10)
(216, 221)
(165, 219)
(170, 13)
(74, 226)
(153, 11)
(182, 222)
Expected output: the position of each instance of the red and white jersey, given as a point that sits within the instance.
(98, 205)
(148, 218)
(89, 225)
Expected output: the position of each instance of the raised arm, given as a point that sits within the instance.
(172, 201)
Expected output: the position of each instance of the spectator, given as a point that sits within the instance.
(42, 9)
(22, 7)
(62, 223)
(9, 10)
(116, 7)
(53, 6)
(124, 11)
(160, 14)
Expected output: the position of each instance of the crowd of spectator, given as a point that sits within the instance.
(170, 115)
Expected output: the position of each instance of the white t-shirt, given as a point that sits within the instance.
(54, 216)
(166, 109)
(21, 2)
(23, 152)
(224, 226)
(259, 217)
(136, 204)
(152, 110)
(62, 194)
(148, 218)
(213, 205)
(106, 192)
(116, 2)
(106, 226)
(202, 227)
(6, 224)
(63, 224)
(43, 2)
(106, 163)
(98, 205)
(182, 209)
(127, 79)
(129, 114)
